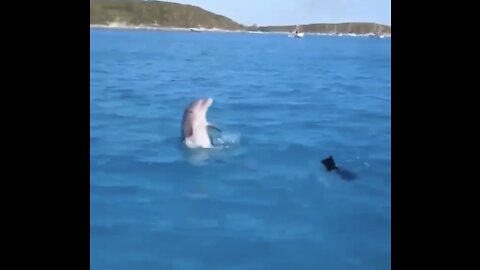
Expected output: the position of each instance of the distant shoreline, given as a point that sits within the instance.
(170, 16)
(121, 26)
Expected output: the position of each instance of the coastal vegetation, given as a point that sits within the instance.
(169, 14)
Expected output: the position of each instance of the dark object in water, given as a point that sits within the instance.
(329, 163)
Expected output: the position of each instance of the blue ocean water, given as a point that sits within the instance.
(265, 201)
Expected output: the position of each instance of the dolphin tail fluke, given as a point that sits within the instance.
(330, 165)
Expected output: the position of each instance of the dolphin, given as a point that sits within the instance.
(195, 127)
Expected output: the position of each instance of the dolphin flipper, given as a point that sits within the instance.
(211, 126)
(215, 134)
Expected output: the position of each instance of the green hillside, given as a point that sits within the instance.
(168, 14)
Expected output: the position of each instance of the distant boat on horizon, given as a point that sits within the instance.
(199, 28)
(297, 33)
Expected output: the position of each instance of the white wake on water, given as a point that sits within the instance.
(221, 142)
(226, 140)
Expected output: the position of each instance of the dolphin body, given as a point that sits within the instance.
(195, 126)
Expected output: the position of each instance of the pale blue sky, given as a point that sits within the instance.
(281, 12)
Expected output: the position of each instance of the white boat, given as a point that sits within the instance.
(379, 32)
(297, 33)
(199, 28)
